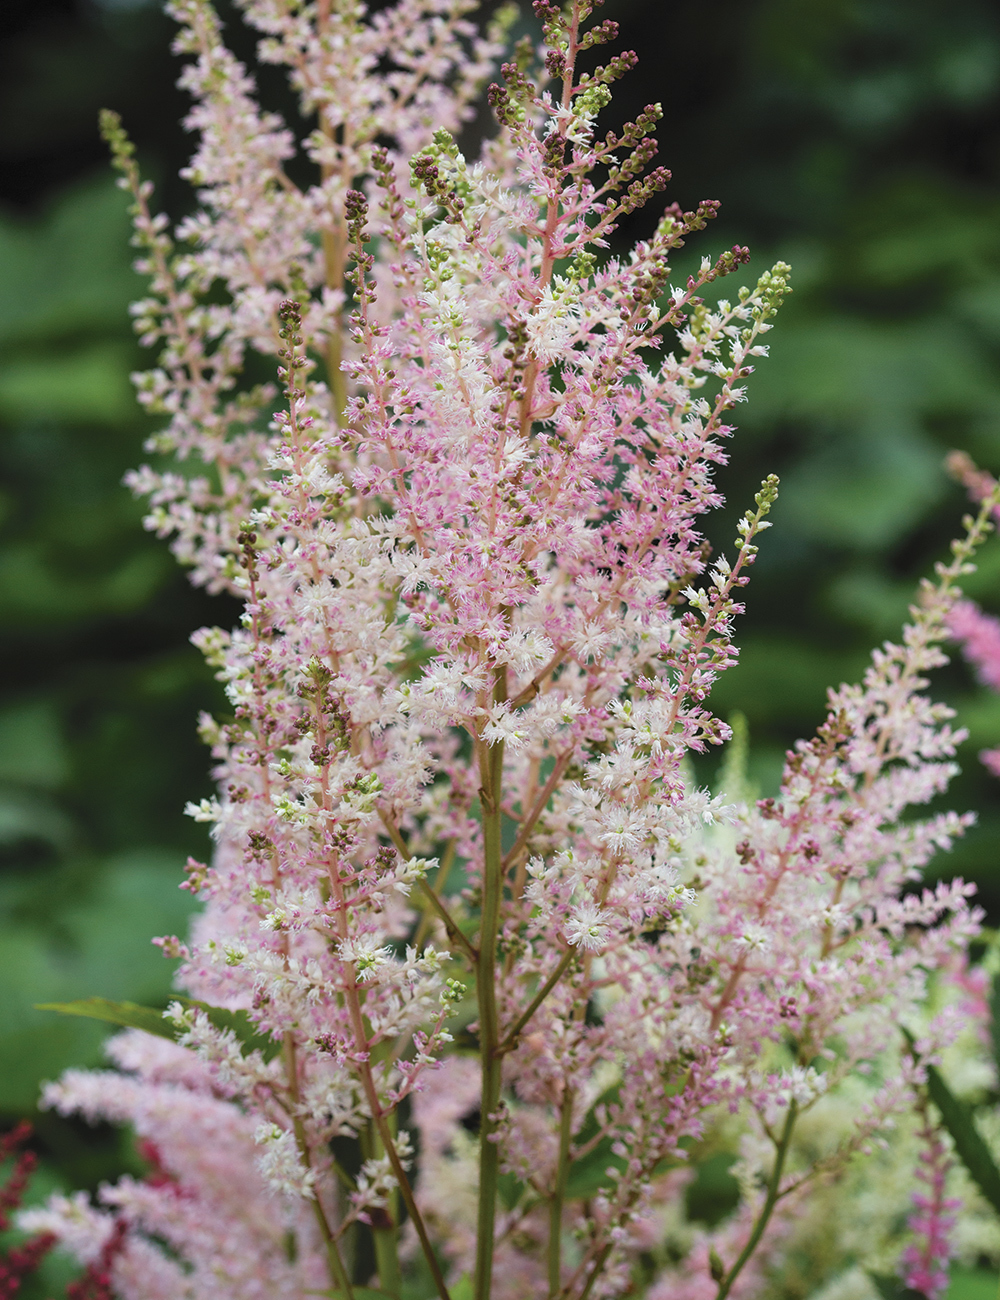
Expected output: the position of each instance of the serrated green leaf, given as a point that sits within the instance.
(132, 1016)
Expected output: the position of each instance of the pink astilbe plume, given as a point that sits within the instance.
(979, 636)
(479, 964)
(925, 1259)
(976, 632)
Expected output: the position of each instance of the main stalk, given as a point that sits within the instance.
(491, 775)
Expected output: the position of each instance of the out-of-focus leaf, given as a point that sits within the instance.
(35, 590)
(957, 1117)
(865, 491)
(27, 818)
(970, 1284)
(152, 1021)
(80, 928)
(972, 1150)
(589, 1175)
(510, 1190)
(128, 1014)
(69, 273)
(89, 386)
(713, 1192)
(890, 1288)
(32, 748)
(361, 1293)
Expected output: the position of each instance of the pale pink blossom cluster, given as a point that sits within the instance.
(978, 634)
(512, 962)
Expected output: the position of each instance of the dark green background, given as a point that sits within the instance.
(858, 140)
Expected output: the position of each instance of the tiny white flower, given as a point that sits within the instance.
(502, 726)
(754, 938)
(206, 810)
(588, 928)
(367, 955)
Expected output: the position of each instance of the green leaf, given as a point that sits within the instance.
(972, 1150)
(510, 1190)
(957, 1118)
(890, 1288)
(129, 1014)
(133, 1016)
(972, 1284)
(463, 1289)
(588, 1176)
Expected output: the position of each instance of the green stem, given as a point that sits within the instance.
(385, 1236)
(451, 928)
(559, 1194)
(773, 1188)
(338, 1272)
(390, 1277)
(595, 1272)
(432, 896)
(450, 925)
(340, 1279)
(406, 1191)
(510, 1039)
(491, 769)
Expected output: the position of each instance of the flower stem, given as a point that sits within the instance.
(385, 1236)
(559, 1194)
(510, 1039)
(491, 770)
(770, 1201)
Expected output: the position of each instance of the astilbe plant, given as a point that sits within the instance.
(20, 1261)
(480, 630)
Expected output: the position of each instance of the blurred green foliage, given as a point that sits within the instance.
(857, 139)
(860, 141)
(99, 688)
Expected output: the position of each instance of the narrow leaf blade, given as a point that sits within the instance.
(890, 1288)
(972, 1150)
(128, 1014)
